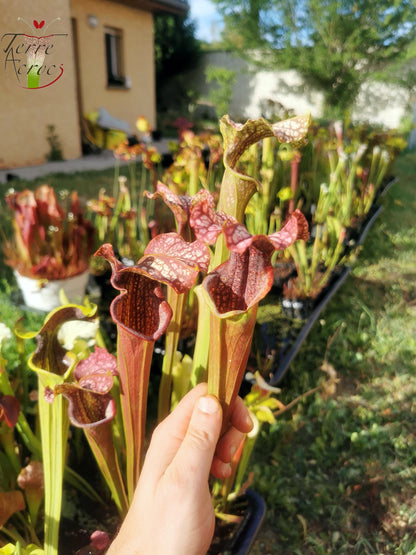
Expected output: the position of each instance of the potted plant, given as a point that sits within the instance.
(315, 265)
(50, 246)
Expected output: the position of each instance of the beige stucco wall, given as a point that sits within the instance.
(137, 29)
(25, 113)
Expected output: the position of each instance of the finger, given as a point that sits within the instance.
(240, 416)
(228, 444)
(194, 457)
(169, 434)
(220, 469)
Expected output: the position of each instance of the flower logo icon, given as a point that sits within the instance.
(30, 58)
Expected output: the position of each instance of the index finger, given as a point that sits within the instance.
(170, 433)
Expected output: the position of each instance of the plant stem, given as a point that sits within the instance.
(54, 424)
(13, 534)
(194, 180)
(133, 353)
(202, 342)
(7, 441)
(29, 439)
(101, 444)
(177, 303)
(232, 338)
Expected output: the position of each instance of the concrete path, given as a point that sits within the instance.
(100, 161)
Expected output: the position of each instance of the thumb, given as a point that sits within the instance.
(194, 457)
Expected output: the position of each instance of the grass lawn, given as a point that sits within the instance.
(87, 183)
(338, 472)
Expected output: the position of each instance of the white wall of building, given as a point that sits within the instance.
(260, 93)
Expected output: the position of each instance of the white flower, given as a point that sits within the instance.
(385, 155)
(360, 151)
(261, 382)
(5, 333)
(73, 330)
(343, 156)
(338, 128)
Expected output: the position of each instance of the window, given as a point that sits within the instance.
(114, 57)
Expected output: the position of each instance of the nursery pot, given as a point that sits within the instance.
(297, 308)
(42, 294)
(239, 539)
(282, 271)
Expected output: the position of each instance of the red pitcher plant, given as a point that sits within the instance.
(211, 257)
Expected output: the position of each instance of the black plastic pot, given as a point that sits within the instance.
(248, 529)
(385, 187)
(281, 340)
(369, 223)
(282, 271)
(287, 355)
(231, 539)
(298, 308)
(355, 237)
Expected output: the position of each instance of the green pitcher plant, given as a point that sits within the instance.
(53, 364)
(40, 477)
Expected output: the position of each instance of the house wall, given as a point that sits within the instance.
(262, 93)
(137, 28)
(25, 113)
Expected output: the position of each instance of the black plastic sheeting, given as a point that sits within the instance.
(249, 527)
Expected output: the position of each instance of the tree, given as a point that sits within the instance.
(333, 44)
(220, 95)
(177, 50)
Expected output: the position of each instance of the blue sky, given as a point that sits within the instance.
(208, 21)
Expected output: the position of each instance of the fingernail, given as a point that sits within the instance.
(208, 405)
(233, 449)
(226, 470)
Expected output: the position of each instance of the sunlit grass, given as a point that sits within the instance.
(87, 183)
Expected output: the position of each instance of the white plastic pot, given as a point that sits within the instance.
(43, 294)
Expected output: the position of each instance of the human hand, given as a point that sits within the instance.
(172, 511)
